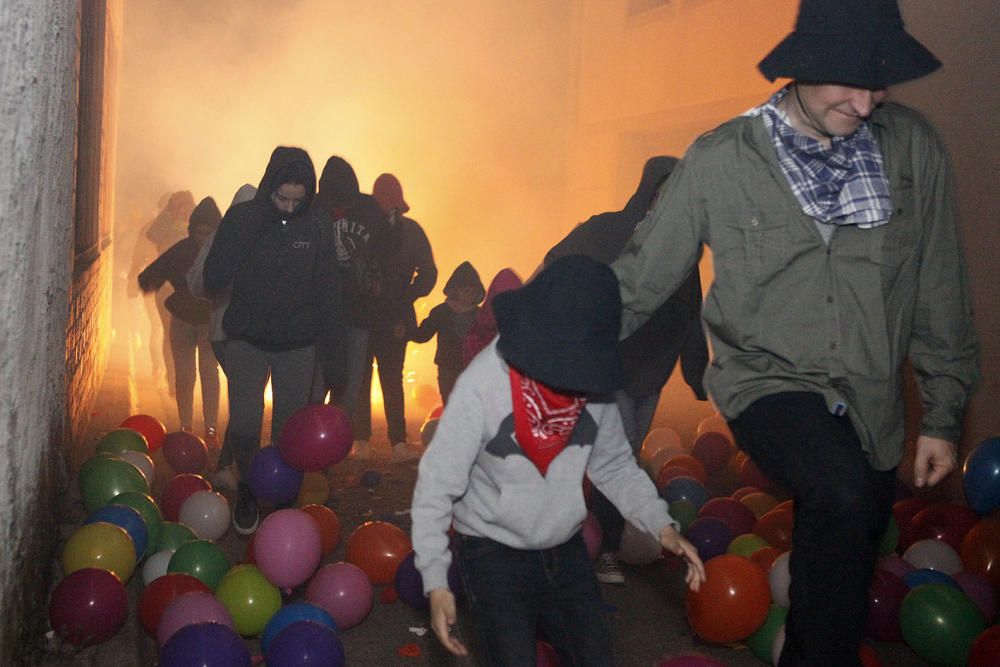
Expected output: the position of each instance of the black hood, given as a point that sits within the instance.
(282, 157)
(338, 185)
(465, 276)
(654, 173)
(205, 214)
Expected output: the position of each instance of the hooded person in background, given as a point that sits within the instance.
(217, 335)
(484, 329)
(408, 273)
(831, 220)
(359, 231)
(189, 329)
(280, 266)
(451, 322)
(650, 354)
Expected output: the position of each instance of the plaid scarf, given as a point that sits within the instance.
(543, 418)
(844, 184)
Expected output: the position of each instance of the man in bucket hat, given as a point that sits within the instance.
(831, 221)
(527, 418)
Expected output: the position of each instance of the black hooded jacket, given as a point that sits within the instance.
(359, 230)
(450, 326)
(279, 265)
(674, 330)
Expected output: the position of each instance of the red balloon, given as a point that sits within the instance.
(714, 450)
(251, 555)
(765, 556)
(885, 595)
(904, 510)
(185, 452)
(743, 491)
(776, 527)
(986, 648)
(980, 551)
(733, 513)
(88, 607)
(150, 427)
(732, 603)
(945, 522)
(695, 467)
(751, 475)
(179, 488)
(316, 437)
(868, 656)
(435, 413)
(669, 472)
(161, 592)
(378, 547)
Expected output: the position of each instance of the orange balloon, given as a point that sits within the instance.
(776, 528)
(764, 557)
(732, 603)
(329, 526)
(696, 467)
(980, 550)
(785, 505)
(378, 547)
(315, 490)
(760, 503)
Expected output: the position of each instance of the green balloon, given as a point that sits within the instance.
(150, 513)
(250, 598)
(173, 535)
(683, 512)
(201, 559)
(762, 641)
(890, 538)
(940, 623)
(123, 440)
(101, 478)
(744, 545)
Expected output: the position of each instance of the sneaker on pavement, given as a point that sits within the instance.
(401, 453)
(361, 451)
(246, 515)
(607, 569)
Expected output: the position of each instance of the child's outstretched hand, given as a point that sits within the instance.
(443, 619)
(679, 546)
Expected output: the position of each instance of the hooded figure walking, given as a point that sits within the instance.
(830, 216)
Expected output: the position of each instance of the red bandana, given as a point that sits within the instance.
(543, 418)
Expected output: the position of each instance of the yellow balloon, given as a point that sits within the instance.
(101, 545)
(315, 489)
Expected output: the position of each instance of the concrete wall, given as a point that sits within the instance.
(38, 51)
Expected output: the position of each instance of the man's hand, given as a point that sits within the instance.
(935, 459)
(443, 618)
(679, 546)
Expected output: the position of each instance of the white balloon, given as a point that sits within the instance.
(778, 645)
(780, 578)
(638, 547)
(935, 555)
(156, 566)
(142, 462)
(206, 513)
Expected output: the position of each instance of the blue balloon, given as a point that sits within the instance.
(129, 519)
(981, 476)
(271, 479)
(685, 488)
(205, 645)
(710, 536)
(306, 643)
(293, 613)
(925, 575)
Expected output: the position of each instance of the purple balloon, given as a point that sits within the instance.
(189, 609)
(710, 536)
(205, 645)
(409, 584)
(306, 643)
(271, 479)
(980, 590)
(885, 595)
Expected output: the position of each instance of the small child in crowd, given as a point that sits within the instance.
(531, 414)
(451, 321)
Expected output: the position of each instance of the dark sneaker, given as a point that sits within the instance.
(246, 515)
(607, 569)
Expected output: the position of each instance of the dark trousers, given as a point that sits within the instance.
(389, 352)
(637, 415)
(515, 595)
(842, 507)
(447, 377)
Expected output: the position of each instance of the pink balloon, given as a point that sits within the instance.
(592, 535)
(344, 590)
(190, 608)
(288, 547)
(315, 438)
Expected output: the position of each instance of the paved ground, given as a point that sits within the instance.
(647, 614)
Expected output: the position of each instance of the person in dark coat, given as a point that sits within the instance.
(650, 354)
(188, 325)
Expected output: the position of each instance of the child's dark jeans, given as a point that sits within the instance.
(516, 595)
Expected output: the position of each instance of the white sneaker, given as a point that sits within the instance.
(607, 569)
(361, 451)
(401, 453)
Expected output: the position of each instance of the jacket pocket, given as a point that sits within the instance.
(753, 245)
